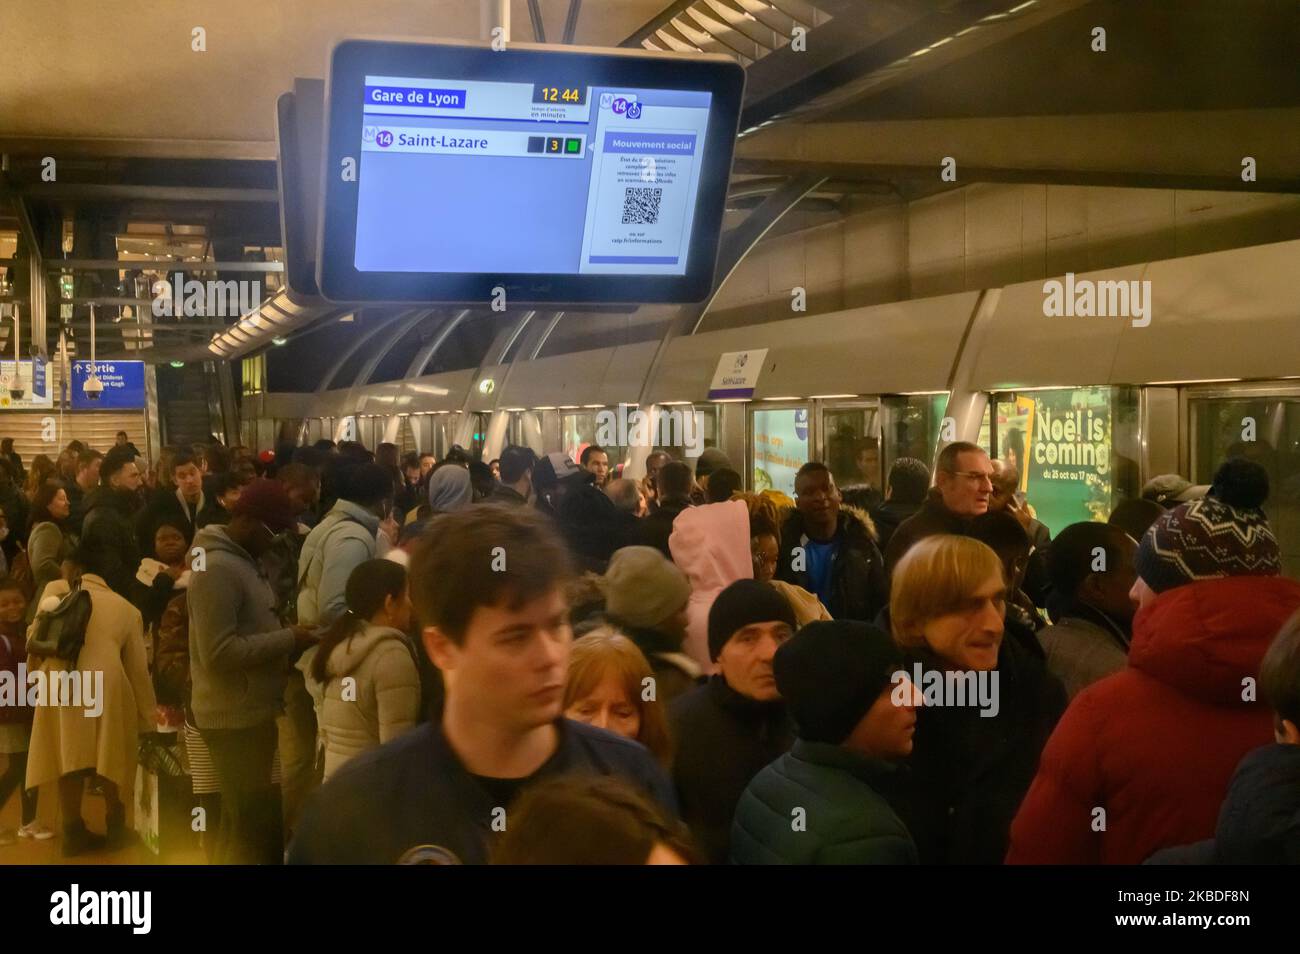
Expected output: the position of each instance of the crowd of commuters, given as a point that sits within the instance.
(374, 658)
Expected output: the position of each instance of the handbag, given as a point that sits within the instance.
(61, 630)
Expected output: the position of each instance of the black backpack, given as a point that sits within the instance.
(61, 631)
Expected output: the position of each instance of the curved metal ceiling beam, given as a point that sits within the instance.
(337, 366)
(422, 357)
(397, 330)
(735, 245)
(546, 333)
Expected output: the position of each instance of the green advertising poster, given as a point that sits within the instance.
(780, 448)
(1060, 442)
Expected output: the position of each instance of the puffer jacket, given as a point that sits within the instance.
(382, 703)
(846, 821)
(239, 653)
(710, 544)
(344, 538)
(859, 587)
(1259, 823)
(1155, 744)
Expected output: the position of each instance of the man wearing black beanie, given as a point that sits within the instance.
(823, 801)
(733, 725)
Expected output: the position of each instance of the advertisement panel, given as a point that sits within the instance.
(1060, 442)
(780, 448)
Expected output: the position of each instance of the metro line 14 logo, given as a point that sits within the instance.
(383, 138)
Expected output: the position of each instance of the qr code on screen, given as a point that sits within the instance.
(641, 205)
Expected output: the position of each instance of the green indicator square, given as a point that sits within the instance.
(573, 145)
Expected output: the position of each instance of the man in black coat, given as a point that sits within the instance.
(830, 551)
(909, 482)
(516, 477)
(674, 487)
(963, 487)
(179, 505)
(109, 526)
(728, 729)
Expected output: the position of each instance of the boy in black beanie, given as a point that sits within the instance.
(734, 724)
(821, 802)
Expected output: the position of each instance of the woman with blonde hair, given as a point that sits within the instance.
(988, 707)
(606, 687)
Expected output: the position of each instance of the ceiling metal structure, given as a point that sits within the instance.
(866, 104)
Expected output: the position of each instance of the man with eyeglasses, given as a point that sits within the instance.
(963, 487)
(239, 657)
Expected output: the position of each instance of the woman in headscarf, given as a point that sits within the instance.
(450, 489)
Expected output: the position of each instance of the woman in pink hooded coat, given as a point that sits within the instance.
(711, 546)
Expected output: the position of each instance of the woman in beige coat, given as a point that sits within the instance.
(96, 734)
(363, 676)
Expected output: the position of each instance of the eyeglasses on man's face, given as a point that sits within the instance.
(976, 475)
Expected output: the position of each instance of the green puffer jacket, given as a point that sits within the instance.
(844, 820)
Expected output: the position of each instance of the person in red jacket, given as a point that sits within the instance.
(1142, 759)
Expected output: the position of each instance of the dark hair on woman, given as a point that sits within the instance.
(369, 584)
(587, 820)
(228, 481)
(481, 479)
(366, 484)
(760, 525)
(45, 495)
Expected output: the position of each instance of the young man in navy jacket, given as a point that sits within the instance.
(487, 584)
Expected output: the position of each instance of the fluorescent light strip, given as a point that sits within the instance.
(827, 397)
(792, 398)
(1196, 381)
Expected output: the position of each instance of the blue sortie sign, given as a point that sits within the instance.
(123, 385)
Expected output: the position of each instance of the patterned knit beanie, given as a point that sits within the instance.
(1223, 534)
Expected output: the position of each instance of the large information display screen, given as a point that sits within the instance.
(558, 175)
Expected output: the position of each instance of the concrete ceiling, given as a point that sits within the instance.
(79, 70)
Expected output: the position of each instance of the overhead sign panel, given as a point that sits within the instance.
(737, 374)
(459, 173)
(123, 383)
